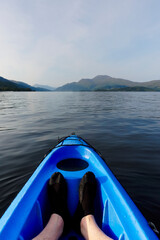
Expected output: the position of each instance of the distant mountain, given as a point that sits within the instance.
(44, 87)
(12, 85)
(7, 85)
(154, 84)
(98, 83)
(107, 83)
(33, 88)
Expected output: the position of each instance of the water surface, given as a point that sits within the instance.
(124, 127)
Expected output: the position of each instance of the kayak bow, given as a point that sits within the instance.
(115, 212)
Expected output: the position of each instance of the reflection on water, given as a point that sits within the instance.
(124, 127)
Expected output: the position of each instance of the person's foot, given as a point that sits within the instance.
(87, 194)
(57, 193)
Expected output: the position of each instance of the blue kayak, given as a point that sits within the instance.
(115, 212)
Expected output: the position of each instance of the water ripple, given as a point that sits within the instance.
(124, 127)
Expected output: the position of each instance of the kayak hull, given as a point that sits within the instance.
(115, 212)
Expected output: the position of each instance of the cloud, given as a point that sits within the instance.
(55, 42)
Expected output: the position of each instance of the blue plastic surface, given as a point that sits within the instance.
(115, 212)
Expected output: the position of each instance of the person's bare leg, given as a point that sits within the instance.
(90, 229)
(53, 229)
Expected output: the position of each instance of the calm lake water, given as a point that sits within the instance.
(124, 127)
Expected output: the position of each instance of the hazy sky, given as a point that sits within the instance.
(58, 41)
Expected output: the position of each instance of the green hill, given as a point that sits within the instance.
(12, 85)
(128, 89)
(7, 85)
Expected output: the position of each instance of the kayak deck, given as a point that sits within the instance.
(115, 212)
